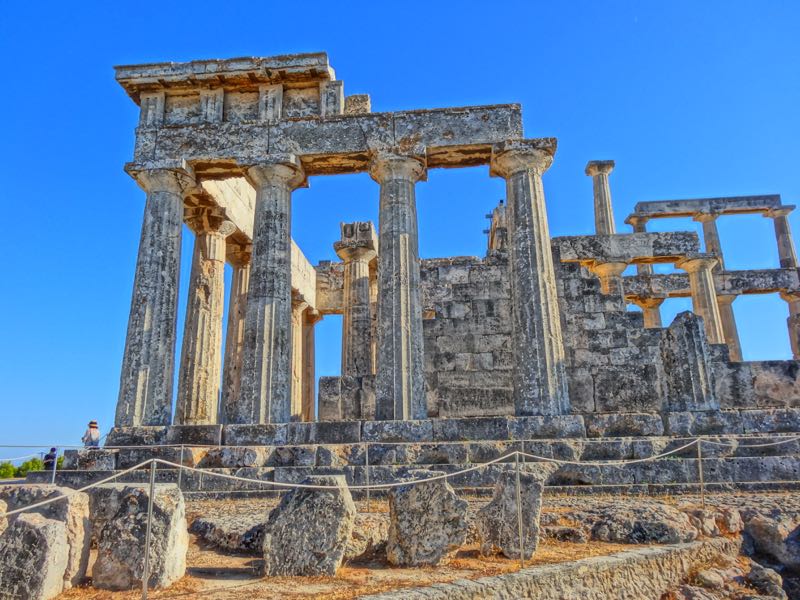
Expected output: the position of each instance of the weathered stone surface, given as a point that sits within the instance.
(72, 511)
(227, 457)
(649, 523)
(308, 532)
(498, 522)
(34, 554)
(90, 459)
(231, 532)
(120, 542)
(428, 521)
(766, 581)
(777, 535)
(615, 425)
(370, 535)
(397, 431)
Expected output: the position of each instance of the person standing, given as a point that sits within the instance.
(50, 459)
(91, 439)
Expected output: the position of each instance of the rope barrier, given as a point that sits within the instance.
(4, 460)
(601, 463)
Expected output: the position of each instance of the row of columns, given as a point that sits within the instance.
(266, 364)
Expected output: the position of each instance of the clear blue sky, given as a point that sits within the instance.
(690, 98)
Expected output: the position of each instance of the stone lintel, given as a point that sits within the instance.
(230, 73)
(451, 137)
(735, 283)
(656, 209)
(627, 247)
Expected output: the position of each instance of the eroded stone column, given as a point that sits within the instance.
(599, 171)
(234, 339)
(265, 394)
(639, 225)
(704, 297)
(729, 329)
(312, 317)
(201, 353)
(793, 322)
(299, 306)
(357, 248)
(145, 390)
(651, 311)
(400, 384)
(540, 384)
(610, 275)
(711, 237)
(783, 235)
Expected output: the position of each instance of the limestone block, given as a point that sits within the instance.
(292, 456)
(397, 431)
(90, 459)
(625, 424)
(525, 428)
(264, 434)
(428, 521)
(324, 432)
(188, 456)
(498, 523)
(466, 429)
(357, 104)
(200, 435)
(34, 554)
(73, 512)
(775, 534)
(627, 388)
(120, 544)
(308, 532)
(703, 423)
(435, 454)
(687, 369)
(234, 457)
(136, 436)
(329, 399)
(771, 421)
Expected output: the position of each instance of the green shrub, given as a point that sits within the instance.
(7, 470)
(34, 464)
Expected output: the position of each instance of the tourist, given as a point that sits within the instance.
(91, 439)
(50, 459)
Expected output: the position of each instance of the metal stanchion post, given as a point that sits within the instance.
(700, 471)
(519, 518)
(55, 464)
(148, 533)
(366, 471)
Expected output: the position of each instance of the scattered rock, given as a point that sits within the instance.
(428, 521)
(563, 533)
(121, 541)
(729, 520)
(705, 521)
(498, 522)
(34, 555)
(235, 533)
(776, 534)
(766, 581)
(711, 579)
(690, 592)
(643, 524)
(370, 533)
(308, 532)
(73, 511)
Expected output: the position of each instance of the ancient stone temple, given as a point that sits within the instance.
(534, 340)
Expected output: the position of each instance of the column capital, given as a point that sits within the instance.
(240, 254)
(646, 302)
(282, 169)
(608, 269)
(693, 264)
(705, 216)
(358, 241)
(598, 167)
(388, 165)
(175, 181)
(779, 211)
(726, 298)
(313, 316)
(520, 155)
(636, 220)
(207, 219)
(790, 295)
(349, 252)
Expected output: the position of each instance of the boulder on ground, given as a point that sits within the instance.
(308, 532)
(498, 522)
(766, 581)
(369, 537)
(648, 523)
(232, 532)
(121, 541)
(73, 511)
(34, 555)
(777, 534)
(428, 521)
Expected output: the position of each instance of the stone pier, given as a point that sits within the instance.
(400, 384)
(704, 298)
(783, 235)
(540, 383)
(651, 311)
(201, 354)
(265, 394)
(357, 248)
(639, 225)
(599, 171)
(234, 340)
(145, 393)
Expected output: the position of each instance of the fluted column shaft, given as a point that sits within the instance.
(201, 353)
(265, 393)
(400, 384)
(299, 307)
(309, 358)
(793, 322)
(704, 297)
(729, 329)
(783, 235)
(711, 238)
(145, 391)
(357, 323)
(540, 384)
(599, 171)
(234, 339)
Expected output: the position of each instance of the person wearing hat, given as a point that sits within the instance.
(91, 439)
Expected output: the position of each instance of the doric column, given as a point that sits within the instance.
(540, 383)
(299, 306)
(240, 256)
(729, 329)
(610, 275)
(145, 390)
(400, 384)
(639, 225)
(357, 248)
(783, 235)
(711, 237)
(793, 322)
(201, 353)
(312, 317)
(704, 297)
(603, 213)
(651, 311)
(265, 394)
